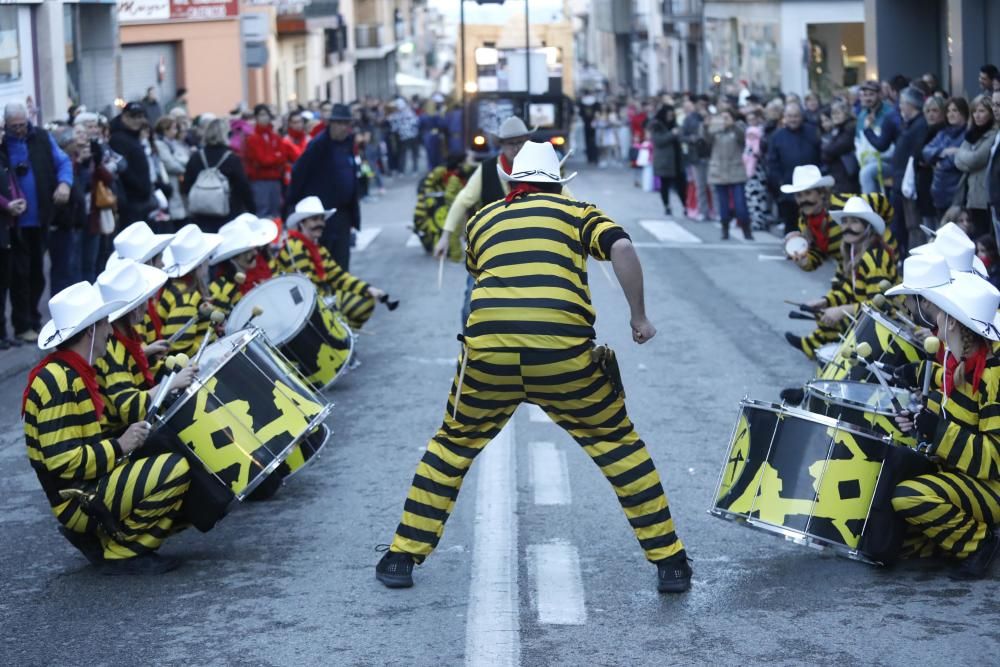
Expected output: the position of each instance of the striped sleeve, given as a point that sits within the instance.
(837, 295)
(974, 451)
(61, 428)
(176, 308)
(224, 293)
(118, 377)
(340, 280)
(876, 266)
(598, 233)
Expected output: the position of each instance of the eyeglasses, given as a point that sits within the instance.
(518, 175)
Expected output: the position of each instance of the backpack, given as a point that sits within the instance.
(210, 193)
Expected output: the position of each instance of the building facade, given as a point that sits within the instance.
(315, 53)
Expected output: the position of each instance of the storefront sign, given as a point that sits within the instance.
(158, 11)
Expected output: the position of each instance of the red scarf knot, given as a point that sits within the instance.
(519, 190)
(817, 226)
(256, 274)
(154, 317)
(86, 372)
(313, 250)
(975, 362)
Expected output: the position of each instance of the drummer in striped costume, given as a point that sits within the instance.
(124, 374)
(816, 203)
(115, 510)
(529, 338)
(865, 262)
(304, 254)
(955, 512)
(241, 262)
(183, 306)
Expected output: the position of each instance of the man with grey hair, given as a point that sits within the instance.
(43, 175)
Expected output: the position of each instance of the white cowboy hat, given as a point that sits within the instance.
(513, 128)
(971, 300)
(308, 208)
(138, 242)
(130, 283)
(807, 177)
(856, 207)
(956, 247)
(73, 310)
(535, 163)
(922, 272)
(244, 233)
(188, 250)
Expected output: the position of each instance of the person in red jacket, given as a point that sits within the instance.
(265, 161)
(295, 142)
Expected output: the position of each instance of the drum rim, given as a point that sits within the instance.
(327, 432)
(847, 403)
(890, 324)
(780, 408)
(301, 325)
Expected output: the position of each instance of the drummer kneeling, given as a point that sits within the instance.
(865, 262)
(954, 512)
(115, 508)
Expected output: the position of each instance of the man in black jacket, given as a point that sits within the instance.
(136, 183)
(328, 170)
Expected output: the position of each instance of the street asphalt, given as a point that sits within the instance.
(538, 566)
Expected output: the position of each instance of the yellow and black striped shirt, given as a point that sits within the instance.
(123, 386)
(225, 293)
(66, 442)
(295, 258)
(876, 265)
(529, 259)
(968, 437)
(178, 304)
(879, 203)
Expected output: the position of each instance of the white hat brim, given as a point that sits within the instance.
(251, 241)
(940, 298)
(825, 182)
(154, 279)
(295, 218)
(534, 178)
(49, 338)
(873, 219)
(212, 242)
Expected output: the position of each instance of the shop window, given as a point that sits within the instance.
(10, 45)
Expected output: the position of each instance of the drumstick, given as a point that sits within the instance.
(796, 315)
(203, 310)
(440, 273)
(931, 346)
(216, 318)
(804, 306)
(391, 305)
(255, 312)
(861, 353)
(171, 363)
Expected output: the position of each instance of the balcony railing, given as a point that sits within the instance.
(369, 36)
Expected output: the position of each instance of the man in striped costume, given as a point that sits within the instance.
(303, 254)
(955, 511)
(117, 509)
(865, 262)
(816, 201)
(183, 306)
(241, 262)
(529, 338)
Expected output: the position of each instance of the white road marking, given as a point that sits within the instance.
(549, 474)
(413, 241)
(432, 361)
(771, 258)
(492, 632)
(365, 238)
(699, 246)
(536, 414)
(668, 231)
(558, 584)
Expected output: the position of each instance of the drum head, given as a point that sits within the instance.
(897, 328)
(797, 245)
(861, 395)
(826, 353)
(286, 302)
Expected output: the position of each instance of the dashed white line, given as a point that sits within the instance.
(492, 632)
(549, 474)
(559, 595)
(668, 231)
(536, 414)
(413, 241)
(365, 238)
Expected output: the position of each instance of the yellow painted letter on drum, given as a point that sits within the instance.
(830, 474)
(296, 412)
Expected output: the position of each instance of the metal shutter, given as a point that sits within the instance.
(139, 70)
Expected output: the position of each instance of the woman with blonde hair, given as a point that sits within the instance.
(216, 154)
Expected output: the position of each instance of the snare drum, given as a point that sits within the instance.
(859, 403)
(244, 414)
(814, 480)
(826, 353)
(304, 327)
(892, 343)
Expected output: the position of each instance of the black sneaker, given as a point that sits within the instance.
(673, 574)
(793, 340)
(89, 545)
(395, 570)
(146, 564)
(793, 395)
(977, 564)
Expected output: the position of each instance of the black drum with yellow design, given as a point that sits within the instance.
(245, 413)
(815, 480)
(859, 403)
(892, 343)
(311, 333)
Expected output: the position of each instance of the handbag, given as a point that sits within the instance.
(106, 221)
(104, 197)
(909, 184)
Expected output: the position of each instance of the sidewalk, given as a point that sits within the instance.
(18, 360)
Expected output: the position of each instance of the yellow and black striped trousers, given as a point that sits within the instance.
(948, 513)
(357, 308)
(145, 495)
(576, 394)
(823, 335)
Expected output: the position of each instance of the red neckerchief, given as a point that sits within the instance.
(154, 316)
(313, 251)
(256, 274)
(86, 372)
(817, 225)
(134, 347)
(977, 360)
(298, 137)
(519, 190)
(505, 163)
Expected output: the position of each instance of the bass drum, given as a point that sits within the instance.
(306, 329)
(892, 343)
